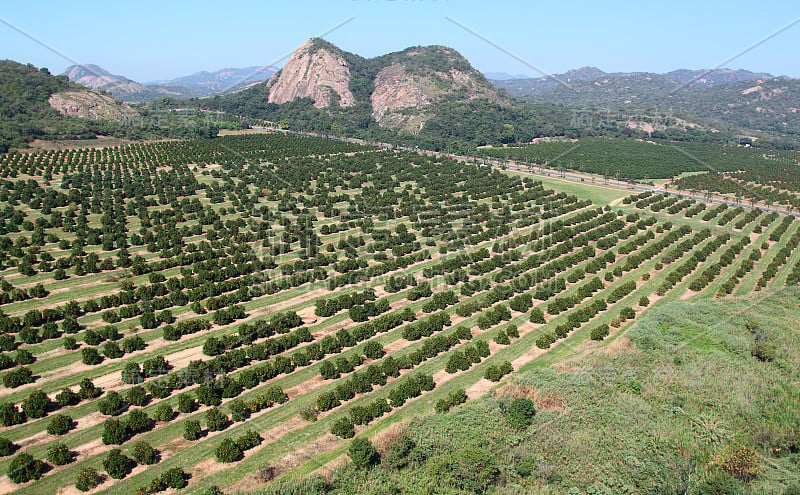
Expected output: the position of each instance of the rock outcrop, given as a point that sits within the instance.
(91, 105)
(313, 71)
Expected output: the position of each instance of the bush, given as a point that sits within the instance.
(309, 413)
(363, 453)
(111, 405)
(216, 420)
(138, 421)
(117, 464)
(7, 447)
(719, 483)
(115, 432)
(58, 454)
(175, 478)
(24, 468)
(90, 356)
(70, 343)
(88, 390)
(328, 371)
(521, 412)
(36, 404)
(132, 374)
(87, 479)
(10, 415)
(24, 356)
(228, 451)
(192, 430)
(17, 377)
(136, 396)
(537, 316)
(373, 350)
(59, 424)
(343, 428)
(144, 453)
(164, 412)
(600, 332)
(186, 404)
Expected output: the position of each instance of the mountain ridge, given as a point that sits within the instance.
(199, 84)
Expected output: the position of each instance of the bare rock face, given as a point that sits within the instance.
(318, 74)
(400, 98)
(91, 105)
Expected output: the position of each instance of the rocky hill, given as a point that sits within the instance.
(401, 89)
(91, 105)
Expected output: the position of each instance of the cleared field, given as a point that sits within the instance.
(307, 291)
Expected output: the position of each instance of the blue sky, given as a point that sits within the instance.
(148, 40)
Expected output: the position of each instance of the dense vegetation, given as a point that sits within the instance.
(658, 159)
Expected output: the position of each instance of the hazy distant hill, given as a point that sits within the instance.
(757, 101)
(120, 87)
(196, 85)
(224, 80)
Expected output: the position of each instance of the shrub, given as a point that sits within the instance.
(87, 479)
(88, 390)
(228, 451)
(343, 428)
(17, 377)
(144, 453)
(192, 430)
(58, 454)
(10, 415)
(70, 343)
(164, 412)
(373, 350)
(115, 432)
(186, 404)
(175, 478)
(600, 332)
(309, 413)
(136, 396)
(138, 421)
(24, 468)
(132, 374)
(117, 464)
(216, 420)
(24, 356)
(7, 447)
(537, 316)
(328, 371)
(111, 405)
(59, 424)
(36, 404)
(521, 412)
(90, 356)
(363, 453)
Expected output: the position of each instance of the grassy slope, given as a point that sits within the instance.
(649, 417)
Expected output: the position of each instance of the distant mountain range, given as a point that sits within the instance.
(221, 81)
(700, 78)
(196, 85)
(751, 100)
